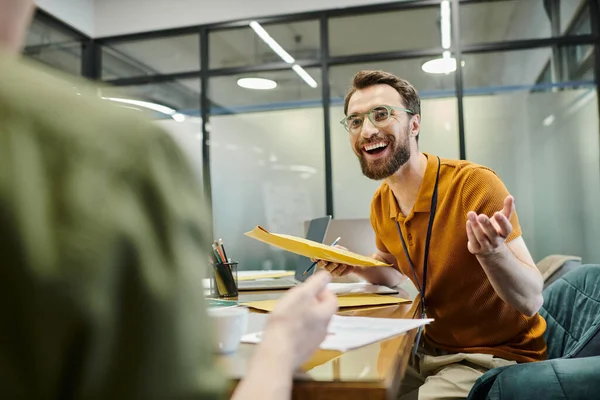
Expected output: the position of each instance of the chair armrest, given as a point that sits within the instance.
(570, 379)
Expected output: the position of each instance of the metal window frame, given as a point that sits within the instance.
(92, 61)
(89, 54)
(594, 6)
(458, 75)
(326, 99)
(204, 115)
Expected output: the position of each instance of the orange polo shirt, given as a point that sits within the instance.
(468, 314)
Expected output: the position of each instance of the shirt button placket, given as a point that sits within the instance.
(409, 237)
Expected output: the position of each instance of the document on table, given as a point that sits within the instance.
(359, 287)
(347, 333)
(344, 301)
(311, 249)
(254, 275)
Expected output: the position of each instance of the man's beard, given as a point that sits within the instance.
(382, 168)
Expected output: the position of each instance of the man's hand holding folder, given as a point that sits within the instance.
(314, 250)
(337, 269)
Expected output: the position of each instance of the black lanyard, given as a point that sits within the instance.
(426, 255)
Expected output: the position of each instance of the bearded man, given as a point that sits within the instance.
(450, 226)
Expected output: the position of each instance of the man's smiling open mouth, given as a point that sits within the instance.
(375, 148)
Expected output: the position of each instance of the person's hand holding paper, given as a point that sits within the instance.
(334, 268)
(387, 276)
(341, 269)
(361, 265)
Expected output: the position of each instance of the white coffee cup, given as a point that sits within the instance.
(229, 325)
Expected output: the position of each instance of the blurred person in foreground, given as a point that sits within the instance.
(101, 236)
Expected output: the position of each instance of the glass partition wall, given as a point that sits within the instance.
(55, 45)
(511, 84)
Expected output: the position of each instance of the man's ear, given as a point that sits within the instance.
(415, 125)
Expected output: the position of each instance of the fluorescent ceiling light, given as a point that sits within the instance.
(445, 24)
(445, 64)
(264, 35)
(151, 106)
(285, 56)
(257, 83)
(305, 76)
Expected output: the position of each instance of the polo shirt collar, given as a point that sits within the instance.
(423, 203)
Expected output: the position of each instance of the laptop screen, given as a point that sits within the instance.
(317, 229)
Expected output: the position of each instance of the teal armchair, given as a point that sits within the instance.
(572, 371)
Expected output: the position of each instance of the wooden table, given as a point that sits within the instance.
(371, 372)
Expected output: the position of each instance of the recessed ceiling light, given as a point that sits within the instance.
(257, 83)
(442, 65)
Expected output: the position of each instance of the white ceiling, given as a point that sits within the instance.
(118, 17)
(79, 14)
(102, 18)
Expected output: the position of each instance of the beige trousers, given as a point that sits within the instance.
(435, 374)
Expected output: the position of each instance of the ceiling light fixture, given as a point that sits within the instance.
(445, 64)
(305, 76)
(445, 24)
(272, 43)
(151, 106)
(257, 83)
(280, 51)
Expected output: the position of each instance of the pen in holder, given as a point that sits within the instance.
(224, 279)
(224, 274)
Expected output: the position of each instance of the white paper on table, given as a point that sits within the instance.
(347, 333)
(335, 287)
(359, 287)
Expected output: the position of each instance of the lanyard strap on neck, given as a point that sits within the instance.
(427, 242)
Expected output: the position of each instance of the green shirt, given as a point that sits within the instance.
(101, 244)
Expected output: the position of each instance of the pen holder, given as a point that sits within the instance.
(224, 280)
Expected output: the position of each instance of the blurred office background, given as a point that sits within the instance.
(511, 84)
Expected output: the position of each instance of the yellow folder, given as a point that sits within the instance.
(311, 249)
(344, 301)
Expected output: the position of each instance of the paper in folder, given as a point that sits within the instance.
(310, 249)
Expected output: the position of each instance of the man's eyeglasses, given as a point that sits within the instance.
(379, 117)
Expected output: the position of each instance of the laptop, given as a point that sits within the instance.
(356, 234)
(317, 229)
